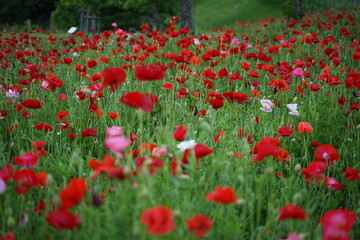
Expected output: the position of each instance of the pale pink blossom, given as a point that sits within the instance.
(293, 109)
(114, 131)
(12, 94)
(161, 152)
(2, 186)
(266, 105)
(196, 41)
(120, 32)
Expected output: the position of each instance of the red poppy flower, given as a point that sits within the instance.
(208, 84)
(224, 195)
(63, 219)
(3, 114)
(138, 100)
(11, 128)
(223, 73)
(158, 220)
(351, 174)
(199, 225)
(72, 136)
(91, 63)
(356, 56)
(195, 60)
(8, 236)
(182, 92)
(279, 85)
(26, 114)
(113, 115)
(326, 153)
(254, 74)
(37, 148)
(66, 60)
(154, 164)
(266, 147)
(284, 132)
(235, 96)
(27, 160)
(218, 135)
(113, 77)
(64, 125)
(25, 179)
(293, 212)
(314, 144)
(149, 72)
(73, 193)
(314, 170)
(281, 155)
(202, 150)
(32, 103)
(314, 87)
(44, 127)
(103, 59)
(89, 132)
(216, 103)
(305, 127)
(180, 133)
(337, 224)
(61, 115)
(168, 86)
(62, 96)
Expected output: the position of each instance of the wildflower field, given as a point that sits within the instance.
(244, 133)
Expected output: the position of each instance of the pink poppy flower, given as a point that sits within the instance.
(117, 144)
(114, 131)
(27, 160)
(293, 109)
(337, 224)
(2, 186)
(298, 72)
(266, 105)
(332, 184)
(235, 42)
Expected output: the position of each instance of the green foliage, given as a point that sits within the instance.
(218, 14)
(17, 11)
(128, 14)
(288, 9)
(64, 17)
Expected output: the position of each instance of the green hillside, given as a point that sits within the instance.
(221, 13)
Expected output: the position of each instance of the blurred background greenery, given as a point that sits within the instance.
(60, 15)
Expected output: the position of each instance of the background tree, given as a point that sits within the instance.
(18, 11)
(186, 17)
(128, 14)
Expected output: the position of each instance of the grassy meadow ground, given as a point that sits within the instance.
(228, 89)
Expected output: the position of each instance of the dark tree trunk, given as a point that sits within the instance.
(298, 9)
(155, 15)
(186, 17)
